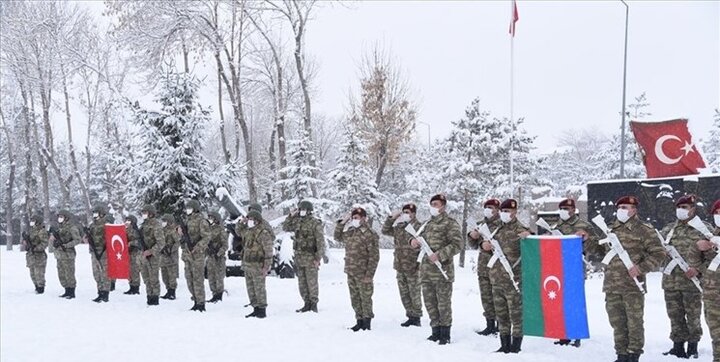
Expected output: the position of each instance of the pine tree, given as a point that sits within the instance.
(299, 172)
(711, 145)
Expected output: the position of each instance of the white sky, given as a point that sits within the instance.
(568, 59)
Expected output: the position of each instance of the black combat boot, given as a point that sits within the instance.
(444, 335)
(200, 307)
(261, 313)
(214, 298)
(491, 327)
(504, 344)
(105, 296)
(254, 313)
(412, 321)
(305, 308)
(70, 293)
(576, 343)
(99, 297)
(134, 290)
(39, 290)
(313, 307)
(622, 358)
(170, 294)
(166, 295)
(194, 307)
(367, 324)
(64, 295)
(358, 326)
(149, 300)
(112, 285)
(678, 350)
(562, 342)
(516, 344)
(692, 351)
(633, 357)
(435, 336)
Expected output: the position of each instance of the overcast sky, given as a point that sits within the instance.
(568, 59)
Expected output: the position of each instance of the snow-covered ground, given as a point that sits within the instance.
(47, 328)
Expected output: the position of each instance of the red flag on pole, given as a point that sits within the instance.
(668, 148)
(513, 18)
(118, 255)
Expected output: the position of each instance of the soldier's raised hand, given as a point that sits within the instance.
(474, 234)
(634, 271)
(583, 234)
(415, 243)
(346, 218)
(704, 245)
(691, 273)
(524, 234)
(395, 214)
(486, 246)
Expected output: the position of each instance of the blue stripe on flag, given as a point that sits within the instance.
(576, 324)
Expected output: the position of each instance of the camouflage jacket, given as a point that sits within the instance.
(97, 231)
(133, 239)
(309, 241)
(684, 239)
(483, 255)
(575, 224)
(70, 237)
(258, 247)
(218, 244)
(405, 256)
(154, 235)
(198, 231)
(645, 250)
(38, 239)
(509, 239)
(710, 279)
(444, 237)
(172, 245)
(362, 250)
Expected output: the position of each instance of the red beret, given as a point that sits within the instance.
(567, 203)
(715, 207)
(358, 211)
(440, 197)
(492, 202)
(628, 200)
(686, 200)
(509, 204)
(410, 207)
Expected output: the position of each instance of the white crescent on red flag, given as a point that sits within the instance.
(118, 255)
(668, 148)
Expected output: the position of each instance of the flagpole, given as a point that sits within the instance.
(513, 11)
(622, 123)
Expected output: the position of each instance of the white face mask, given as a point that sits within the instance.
(61, 220)
(251, 224)
(682, 214)
(32, 223)
(403, 217)
(564, 214)
(303, 212)
(623, 215)
(717, 220)
(127, 223)
(145, 216)
(188, 211)
(434, 211)
(164, 223)
(505, 217)
(355, 223)
(96, 215)
(488, 213)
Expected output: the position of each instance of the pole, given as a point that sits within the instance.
(512, 120)
(622, 124)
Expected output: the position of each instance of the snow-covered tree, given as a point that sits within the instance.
(711, 145)
(299, 174)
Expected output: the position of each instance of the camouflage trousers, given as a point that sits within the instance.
(507, 304)
(195, 278)
(99, 269)
(255, 283)
(711, 298)
(150, 270)
(625, 312)
(135, 259)
(684, 308)
(37, 262)
(361, 297)
(486, 295)
(169, 275)
(410, 293)
(307, 277)
(66, 272)
(216, 274)
(438, 302)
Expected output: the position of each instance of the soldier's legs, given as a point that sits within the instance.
(145, 273)
(514, 299)
(616, 312)
(444, 295)
(404, 289)
(430, 295)
(410, 294)
(676, 313)
(39, 269)
(311, 280)
(366, 294)
(635, 307)
(153, 266)
(255, 279)
(66, 272)
(502, 311)
(693, 307)
(355, 298)
(135, 268)
(198, 283)
(99, 268)
(216, 275)
(711, 298)
(188, 271)
(302, 283)
(486, 296)
(250, 286)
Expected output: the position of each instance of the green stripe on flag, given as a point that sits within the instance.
(533, 319)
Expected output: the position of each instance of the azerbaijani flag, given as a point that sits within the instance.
(553, 288)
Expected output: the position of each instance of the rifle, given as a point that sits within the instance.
(677, 259)
(543, 224)
(425, 248)
(56, 234)
(91, 244)
(185, 239)
(26, 240)
(616, 248)
(698, 225)
(498, 253)
(141, 239)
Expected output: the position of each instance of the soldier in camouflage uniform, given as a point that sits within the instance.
(491, 218)
(257, 260)
(65, 252)
(362, 254)
(217, 246)
(506, 299)
(169, 259)
(624, 303)
(405, 262)
(135, 251)
(154, 237)
(442, 233)
(711, 282)
(95, 237)
(683, 300)
(309, 247)
(194, 248)
(36, 258)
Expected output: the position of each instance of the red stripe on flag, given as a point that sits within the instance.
(551, 293)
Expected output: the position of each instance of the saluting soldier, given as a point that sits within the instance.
(217, 246)
(491, 218)
(405, 261)
(135, 250)
(507, 300)
(169, 259)
(309, 248)
(624, 302)
(193, 246)
(97, 252)
(36, 257)
(362, 254)
(65, 254)
(711, 281)
(154, 237)
(257, 260)
(444, 237)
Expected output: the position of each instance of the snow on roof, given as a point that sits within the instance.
(686, 178)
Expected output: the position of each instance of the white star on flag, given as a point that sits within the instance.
(552, 295)
(687, 148)
(119, 256)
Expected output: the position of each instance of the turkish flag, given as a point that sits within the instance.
(118, 255)
(668, 148)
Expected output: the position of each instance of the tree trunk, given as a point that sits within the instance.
(44, 177)
(30, 182)
(382, 162)
(9, 184)
(466, 206)
(307, 114)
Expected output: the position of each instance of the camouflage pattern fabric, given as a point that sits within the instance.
(361, 297)
(308, 283)
(507, 303)
(99, 266)
(218, 245)
(135, 256)
(406, 265)
(154, 235)
(309, 247)
(255, 284)
(36, 257)
(444, 237)
(573, 225)
(65, 254)
(410, 293)
(362, 254)
(711, 298)
(483, 272)
(194, 260)
(625, 312)
(169, 262)
(257, 258)
(438, 301)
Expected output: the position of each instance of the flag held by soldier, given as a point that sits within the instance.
(118, 256)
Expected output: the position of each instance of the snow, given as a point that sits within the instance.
(47, 328)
